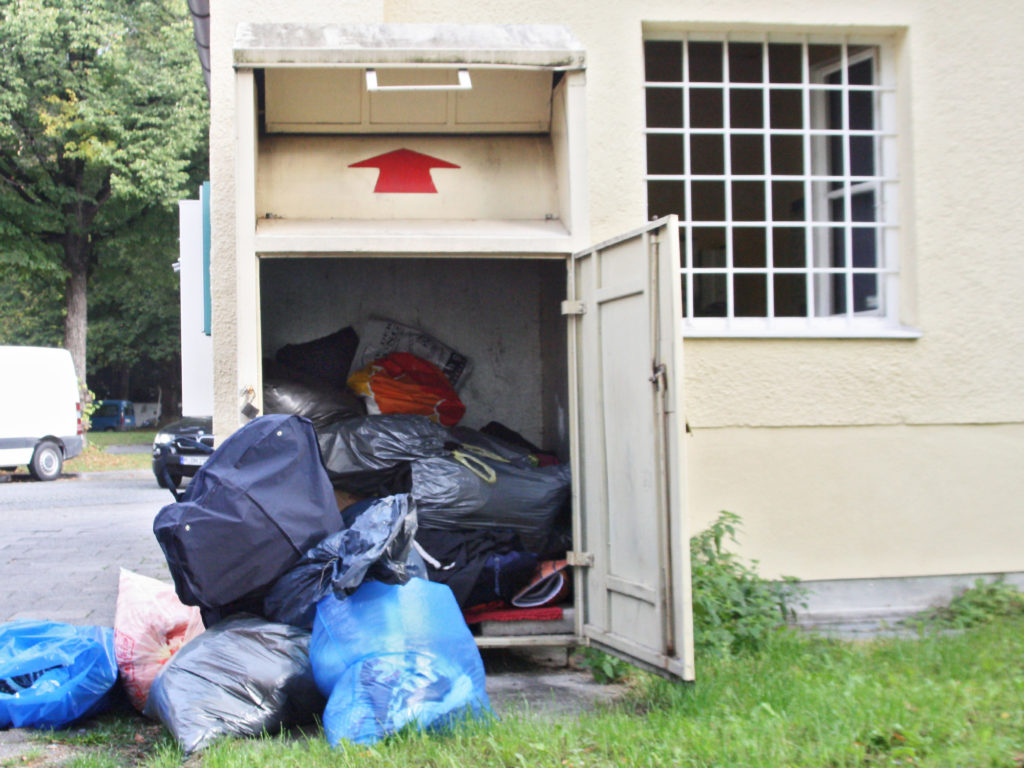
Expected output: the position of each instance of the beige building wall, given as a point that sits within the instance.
(846, 458)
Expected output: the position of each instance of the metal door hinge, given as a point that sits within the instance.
(658, 376)
(573, 308)
(581, 559)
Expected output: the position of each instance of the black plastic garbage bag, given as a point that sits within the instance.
(466, 491)
(241, 677)
(260, 502)
(380, 538)
(370, 455)
(327, 358)
(319, 403)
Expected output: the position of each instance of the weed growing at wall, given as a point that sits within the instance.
(734, 609)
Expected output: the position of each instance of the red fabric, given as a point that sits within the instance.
(404, 383)
(487, 613)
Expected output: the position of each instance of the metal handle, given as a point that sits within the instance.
(464, 84)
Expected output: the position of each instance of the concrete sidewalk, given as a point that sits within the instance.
(62, 563)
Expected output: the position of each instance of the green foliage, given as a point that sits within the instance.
(103, 121)
(734, 609)
(604, 667)
(977, 605)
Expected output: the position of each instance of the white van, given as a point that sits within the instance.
(40, 412)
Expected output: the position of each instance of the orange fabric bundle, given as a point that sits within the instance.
(404, 383)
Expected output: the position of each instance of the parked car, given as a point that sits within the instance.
(180, 449)
(113, 415)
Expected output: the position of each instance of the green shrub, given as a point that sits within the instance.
(734, 609)
(980, 604)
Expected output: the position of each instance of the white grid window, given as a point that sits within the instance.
(779, 156)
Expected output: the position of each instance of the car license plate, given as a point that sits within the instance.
(193, 461)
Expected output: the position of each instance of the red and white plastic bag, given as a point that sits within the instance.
(150, 625)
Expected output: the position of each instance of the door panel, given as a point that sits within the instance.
(627, 345)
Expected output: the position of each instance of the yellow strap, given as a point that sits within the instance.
(483, 470)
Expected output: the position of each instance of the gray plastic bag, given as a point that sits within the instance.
(241, 677)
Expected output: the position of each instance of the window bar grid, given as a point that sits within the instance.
(730, 297)
(888, 212)
(769, 213)
(809, 235)
(847, 183)
(687, 182)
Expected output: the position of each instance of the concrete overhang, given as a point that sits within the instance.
(534, 46)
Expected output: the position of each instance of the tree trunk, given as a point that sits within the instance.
(76, 263)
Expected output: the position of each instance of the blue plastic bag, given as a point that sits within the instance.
(52, 674)
(395, 655)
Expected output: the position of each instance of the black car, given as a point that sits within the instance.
(180, 449)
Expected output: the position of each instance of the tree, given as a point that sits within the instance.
(103, 120)
(134, 318)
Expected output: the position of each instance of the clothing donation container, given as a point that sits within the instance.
(435, 175)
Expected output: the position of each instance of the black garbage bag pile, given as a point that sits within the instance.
(489, 496)
(310, 506)
(256, 541)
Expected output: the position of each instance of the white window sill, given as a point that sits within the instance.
(796, 328)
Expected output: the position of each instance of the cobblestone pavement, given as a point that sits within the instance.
(64, 542)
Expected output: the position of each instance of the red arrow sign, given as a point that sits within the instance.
(404, 171)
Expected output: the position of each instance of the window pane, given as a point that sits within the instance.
(786, 109)
(862, 155)
(787, 201)
(865, 293)
(861, 106)
(787, 155)
(747, 155)
(707, 157)
(664, 154)
(820, 55)
(706, 108)
(784, 63)
(664, 108)
(663, 61)
(751, 296)
(746, 109)
(708, 200)
(665, 197)
(709, 298)
(790, 296)
(749, 247)
(748, 201)
(745, 64)
(861, 73)
(709, 244)
(705, 62)
(788, 245)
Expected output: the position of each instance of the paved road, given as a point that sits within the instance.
(63, 543)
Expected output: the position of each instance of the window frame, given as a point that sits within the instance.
(881, 322)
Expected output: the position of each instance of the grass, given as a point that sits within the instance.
(936, 700)
(95, 457)
(134, 437)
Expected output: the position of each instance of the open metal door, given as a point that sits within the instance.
(626, 346)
